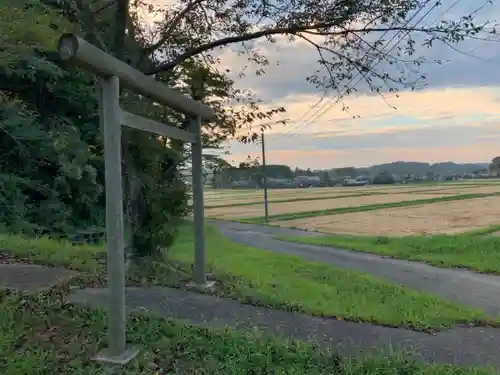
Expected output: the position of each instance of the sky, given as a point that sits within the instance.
(456, 117)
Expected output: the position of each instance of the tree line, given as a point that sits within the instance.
(388, 173)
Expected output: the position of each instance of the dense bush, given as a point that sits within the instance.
(51, 159)
(383, 178)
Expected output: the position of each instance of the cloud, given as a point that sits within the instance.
(430, 125)
(298, 60)
(328, 159)
(413, 109)
(431, 137)
(454, 118)
(365, 157)
(470, 63)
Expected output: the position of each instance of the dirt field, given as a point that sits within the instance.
(469, 190)
(231, 197)
(225, 198)
(290, 207)
(277, 197)
(444, 217)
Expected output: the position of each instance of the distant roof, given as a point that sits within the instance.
(307, 178)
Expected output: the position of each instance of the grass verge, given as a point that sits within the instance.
(268, 279)
(369, 207)
(279, 280)
(474, 250)
(39, 335)
(51, 252)
(89, 259)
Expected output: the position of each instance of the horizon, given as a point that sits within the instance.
(378, 164)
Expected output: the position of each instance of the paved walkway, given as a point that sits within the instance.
(463, 346)
(31, 277)
(462, 286)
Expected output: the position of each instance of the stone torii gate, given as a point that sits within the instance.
(114, 72)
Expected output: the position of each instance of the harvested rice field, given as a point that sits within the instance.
(251, 211)
(214, 199)
(469, 190)
(311, 194)
(237, 193)
(239, 197)
(277, 197)
(433, 218)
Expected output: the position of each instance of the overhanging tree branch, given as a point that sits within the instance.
(171, 26)
(102, 8)
(293, 31)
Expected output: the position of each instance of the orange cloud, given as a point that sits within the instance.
(327, 159)
(462, 106)
(428, 105)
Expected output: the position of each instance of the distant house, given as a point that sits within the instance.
(358, 181)
(242, 184)
(308, 181)
(482, 173)
(279, 183)
(363, 179)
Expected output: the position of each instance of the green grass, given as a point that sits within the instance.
(89, 259)
(268, 279)
(475, 250)
(59, 253)
(40, 335)
(369, 207)
(279, 280)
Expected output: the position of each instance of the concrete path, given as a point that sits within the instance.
(32, 278)
(465, 287)
(461, 346)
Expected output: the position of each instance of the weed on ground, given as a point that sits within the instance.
(39, 334)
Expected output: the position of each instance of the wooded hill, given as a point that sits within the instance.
(421, 169)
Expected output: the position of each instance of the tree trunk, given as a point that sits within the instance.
(136, 208)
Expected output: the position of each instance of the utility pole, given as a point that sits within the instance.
(266, 207)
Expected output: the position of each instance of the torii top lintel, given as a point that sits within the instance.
(74, 48)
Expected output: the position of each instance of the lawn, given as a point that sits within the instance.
(269, 279)
(476, 251)
(284, 281)
(39, 335)
(50, 252)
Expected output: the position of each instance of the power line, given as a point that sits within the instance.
(325, 107)
(380, 38)
(318, 114)
(299, 127)
(333, 101)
